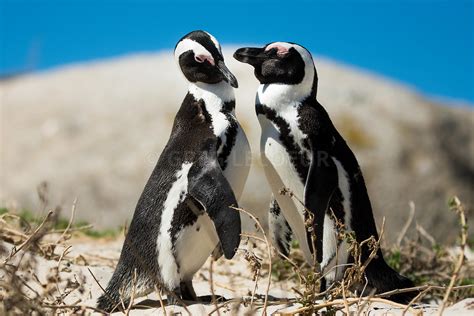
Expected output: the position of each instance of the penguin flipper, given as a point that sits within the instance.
(280, 231)
(321, 183)
(208, 186)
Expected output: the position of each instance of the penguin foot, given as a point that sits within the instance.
(174, 299)
(322, 285)
(208, 299)
(187, 291)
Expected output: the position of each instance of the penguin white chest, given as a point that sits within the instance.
(282, 173)
(180, 259)
(194, 244)
(238, 163)
(277, 160)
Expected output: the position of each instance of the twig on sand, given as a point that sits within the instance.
(211, 284)
(77, 307)
(254, 291)
(349, 302)
(160, 298)
(237, 300)
(59, 268)
(15, 250)
(69, 224)
(416, 299)
(103, 290)
(269, 251)
(422, 288)
(458, 207)
(346, 306)
(407, 223)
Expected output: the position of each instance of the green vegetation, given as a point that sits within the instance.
(28, 218)
(394, 259)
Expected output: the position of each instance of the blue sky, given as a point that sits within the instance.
(426, 44)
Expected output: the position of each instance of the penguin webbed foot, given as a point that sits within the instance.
(322, 286)
(182, 294)
(174, 298)
(187, 291)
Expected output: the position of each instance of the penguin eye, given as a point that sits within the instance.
(280, 51)
(202, 58)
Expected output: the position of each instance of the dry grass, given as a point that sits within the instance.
(22, 290)
(437, 276)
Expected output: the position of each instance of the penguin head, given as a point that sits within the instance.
(280, 63)
(200, 58)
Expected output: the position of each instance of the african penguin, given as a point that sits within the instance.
(184, 213)
(302, 150)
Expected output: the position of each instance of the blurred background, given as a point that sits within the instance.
(89, 90)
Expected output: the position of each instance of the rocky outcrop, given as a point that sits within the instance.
(94, 131)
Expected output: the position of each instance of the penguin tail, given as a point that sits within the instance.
(383, 278)
(119, 290)
(113, 298)
(108, 304)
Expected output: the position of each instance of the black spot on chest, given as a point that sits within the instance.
(183, 217)
(296, 153)
(225, 149)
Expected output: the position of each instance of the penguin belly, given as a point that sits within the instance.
(194, 244)
(281, 173)
(184, 247)
(336, 253)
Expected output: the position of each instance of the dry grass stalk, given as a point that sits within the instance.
(339, 303)
(269, 252)
(458, 208)
(355, 273)
(160, 298)
(211, 284)
(19, 277)
(23, 297)
(63, 236)
(35, 236)
(407, 224)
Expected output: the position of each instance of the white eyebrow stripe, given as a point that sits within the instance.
(307, 58)
(188, 44)
(276, 45)
(214, 40)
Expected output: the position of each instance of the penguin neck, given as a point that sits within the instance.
(218, 97)
(280, 96)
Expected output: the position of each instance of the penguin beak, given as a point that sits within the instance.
(228, 76)
(251, 55)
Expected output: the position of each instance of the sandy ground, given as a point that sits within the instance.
(231, 279)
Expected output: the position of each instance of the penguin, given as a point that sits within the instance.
(302, 150)
(234, 154)
(184, 213)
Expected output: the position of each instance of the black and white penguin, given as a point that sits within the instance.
(217, 92)
(183, 215)
(302, 150)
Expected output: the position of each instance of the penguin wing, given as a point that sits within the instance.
(207, 184)
(321, 183)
